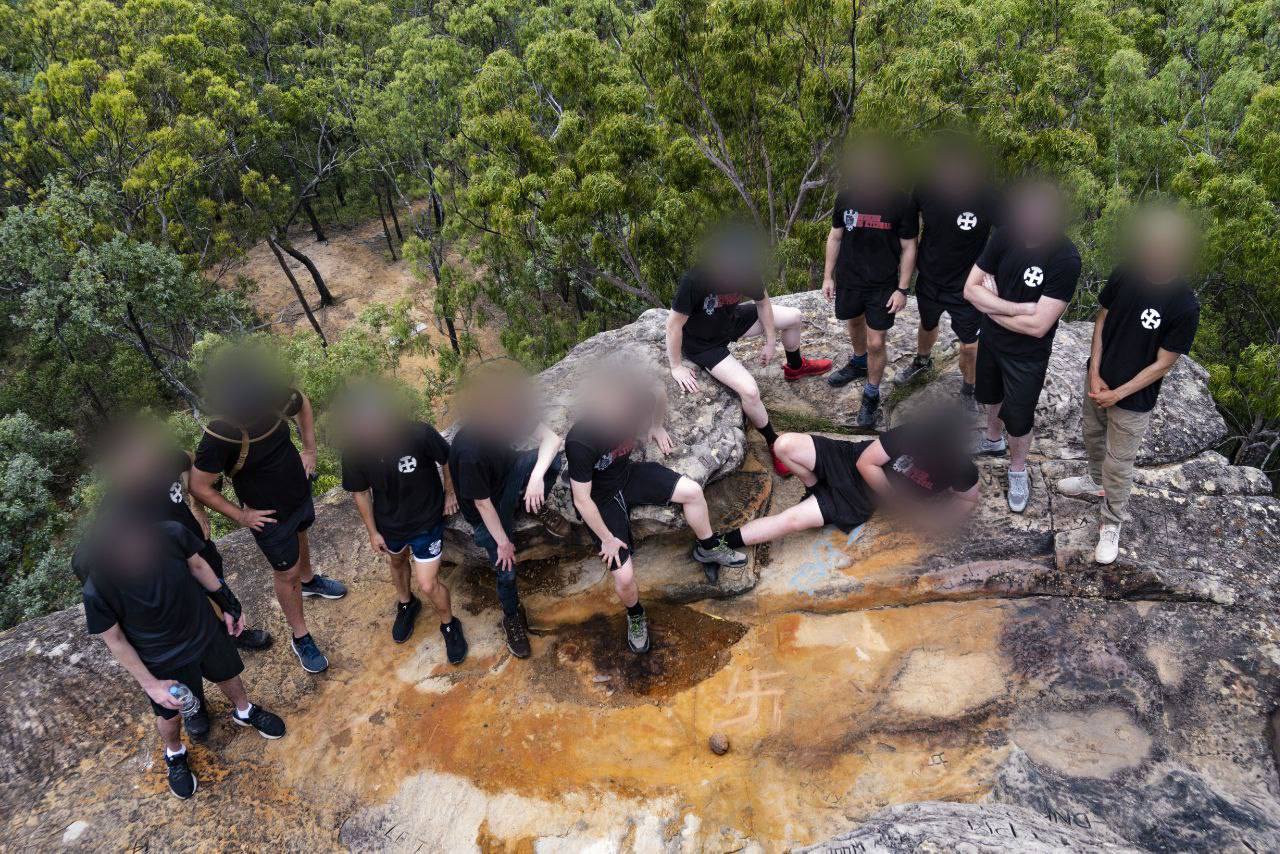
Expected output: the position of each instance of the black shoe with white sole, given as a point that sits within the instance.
(267, 724)
(197, 726)
(253, 639)
(455, 642)
(406, 618)
(181, 781)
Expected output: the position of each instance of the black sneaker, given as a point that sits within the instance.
(849, 372)
(253, 639)
(867, 414)
(197, 726)
(267, 724)
(517, 635)
(406, 617)
(324, 587)
(181, 781)
(967, 401)
(919, 365)
(455, 642)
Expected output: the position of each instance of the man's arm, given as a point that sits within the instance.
(202, 487)
(450, 495)
(987, 301)
(193, 503)
(829, 268)
(1095, 353)
(219, 592)
(764, 312)
(549, 445)
(906, 266)
(590, 513)
(1047, 312)
(307, 430)
(869, 466)
(492, 521)
(1165, 360)
(157, 689)
(364, 506)
(675, 342)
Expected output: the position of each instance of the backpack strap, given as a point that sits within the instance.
(244, 441)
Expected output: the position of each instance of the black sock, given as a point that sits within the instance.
(635, 610)
(767, 432)
(710, 542)
(793, 359)
(966, 389)
(302, 638)
(733, 539)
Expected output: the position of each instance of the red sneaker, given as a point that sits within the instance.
(808, 368)
(779, 466)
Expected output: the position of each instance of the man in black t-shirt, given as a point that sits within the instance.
(624, 411)
(145, 589)
(1148, 318)
(1022, 283)
(922, 467)
(722, 300)
(391, 466)
(251, 442)
(870, 256)
(493, 479)
(957, 207)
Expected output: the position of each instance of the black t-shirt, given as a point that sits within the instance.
(955, 229)
(710, 309)
(478, 465)
(408, 495)
(918, 466)
(871, 242)
(599, 456)
(272, 477)
(161, 608)
(171, 495)
(1024, 274)
(1143, 319)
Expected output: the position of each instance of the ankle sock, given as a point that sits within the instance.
(733, 539)
(793, 359)
(767, 432)
(871, 390)
(178, 753)
(710, 542)
(635, 610)
(859, 360)
(297, 639)
(244, 716)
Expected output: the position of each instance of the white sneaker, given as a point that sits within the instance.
(1108, 543)
(1075, 487)
(1019, 490)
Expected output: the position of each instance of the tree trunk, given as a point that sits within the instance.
(386, 232)
(315, 223)
(342, 195)
(326, 297)
(145, 345)
(391, 206)
(284, 265)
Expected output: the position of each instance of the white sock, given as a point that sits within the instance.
(173, 753)
(244, 713)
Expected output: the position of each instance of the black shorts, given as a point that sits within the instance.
(852, 302)
(219, 662)
(1012, 381)
(842, 495)
(647, 483)
(706, 354)
(964, 317)
(279, 542)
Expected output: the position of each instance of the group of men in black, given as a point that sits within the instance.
(1000, 265)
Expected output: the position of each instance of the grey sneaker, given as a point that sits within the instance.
(919, 365)
(324, 587)
(1074, 487)
(989, 448)
(638, 633)
(721, 554)
(309, 655)
(1108, 544)
(1019, 490)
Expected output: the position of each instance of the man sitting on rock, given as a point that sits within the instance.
(145, 589)
(1022, 283)
(390, 465)
(871, 253)
(493, 478)
(250, 441)
(922, 469)
(621, 411)
(958, 208)
(1148, 317)
(711, 311)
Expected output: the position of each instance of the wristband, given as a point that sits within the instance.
(227, 601)
(904, 291)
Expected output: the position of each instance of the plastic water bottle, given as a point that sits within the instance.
(190, 702)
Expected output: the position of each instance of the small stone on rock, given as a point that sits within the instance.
(719, 744)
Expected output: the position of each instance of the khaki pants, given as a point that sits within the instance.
(1111, 440)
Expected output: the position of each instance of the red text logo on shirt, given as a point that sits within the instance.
(906, 466)
(855, 219)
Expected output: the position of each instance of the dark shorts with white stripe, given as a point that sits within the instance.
(647, 483)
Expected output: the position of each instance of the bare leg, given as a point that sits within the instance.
(1019, 446)
(925, 339)
(427, 572)
(969, 361)
(170, 732)
(858, 334)
(288, 586)
(624, 584)
(234, 689)
(790, 325)
(797, 453)
(304, 558)
(400, 575)
(877, 355)
(731, 372)
(798, 518)
(995, 427)
(689, 495)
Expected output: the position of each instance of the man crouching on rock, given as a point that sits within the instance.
(494, 478)
(620, 410)
(145, 589)
(922, 468)
(391, 466)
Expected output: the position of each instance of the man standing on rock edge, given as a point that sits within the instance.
(1022, 283)
(251, 442)
(144, 594)
(1147, 318)
(493, 478)
(391, 466)
(871, 254)
(619, 409)
(958, 207)
(711, 311)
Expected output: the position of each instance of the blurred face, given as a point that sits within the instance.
(1163, 245)
(1036, 214)
(735, 259)
(133, 460)
(956, 171)
(869, 169)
